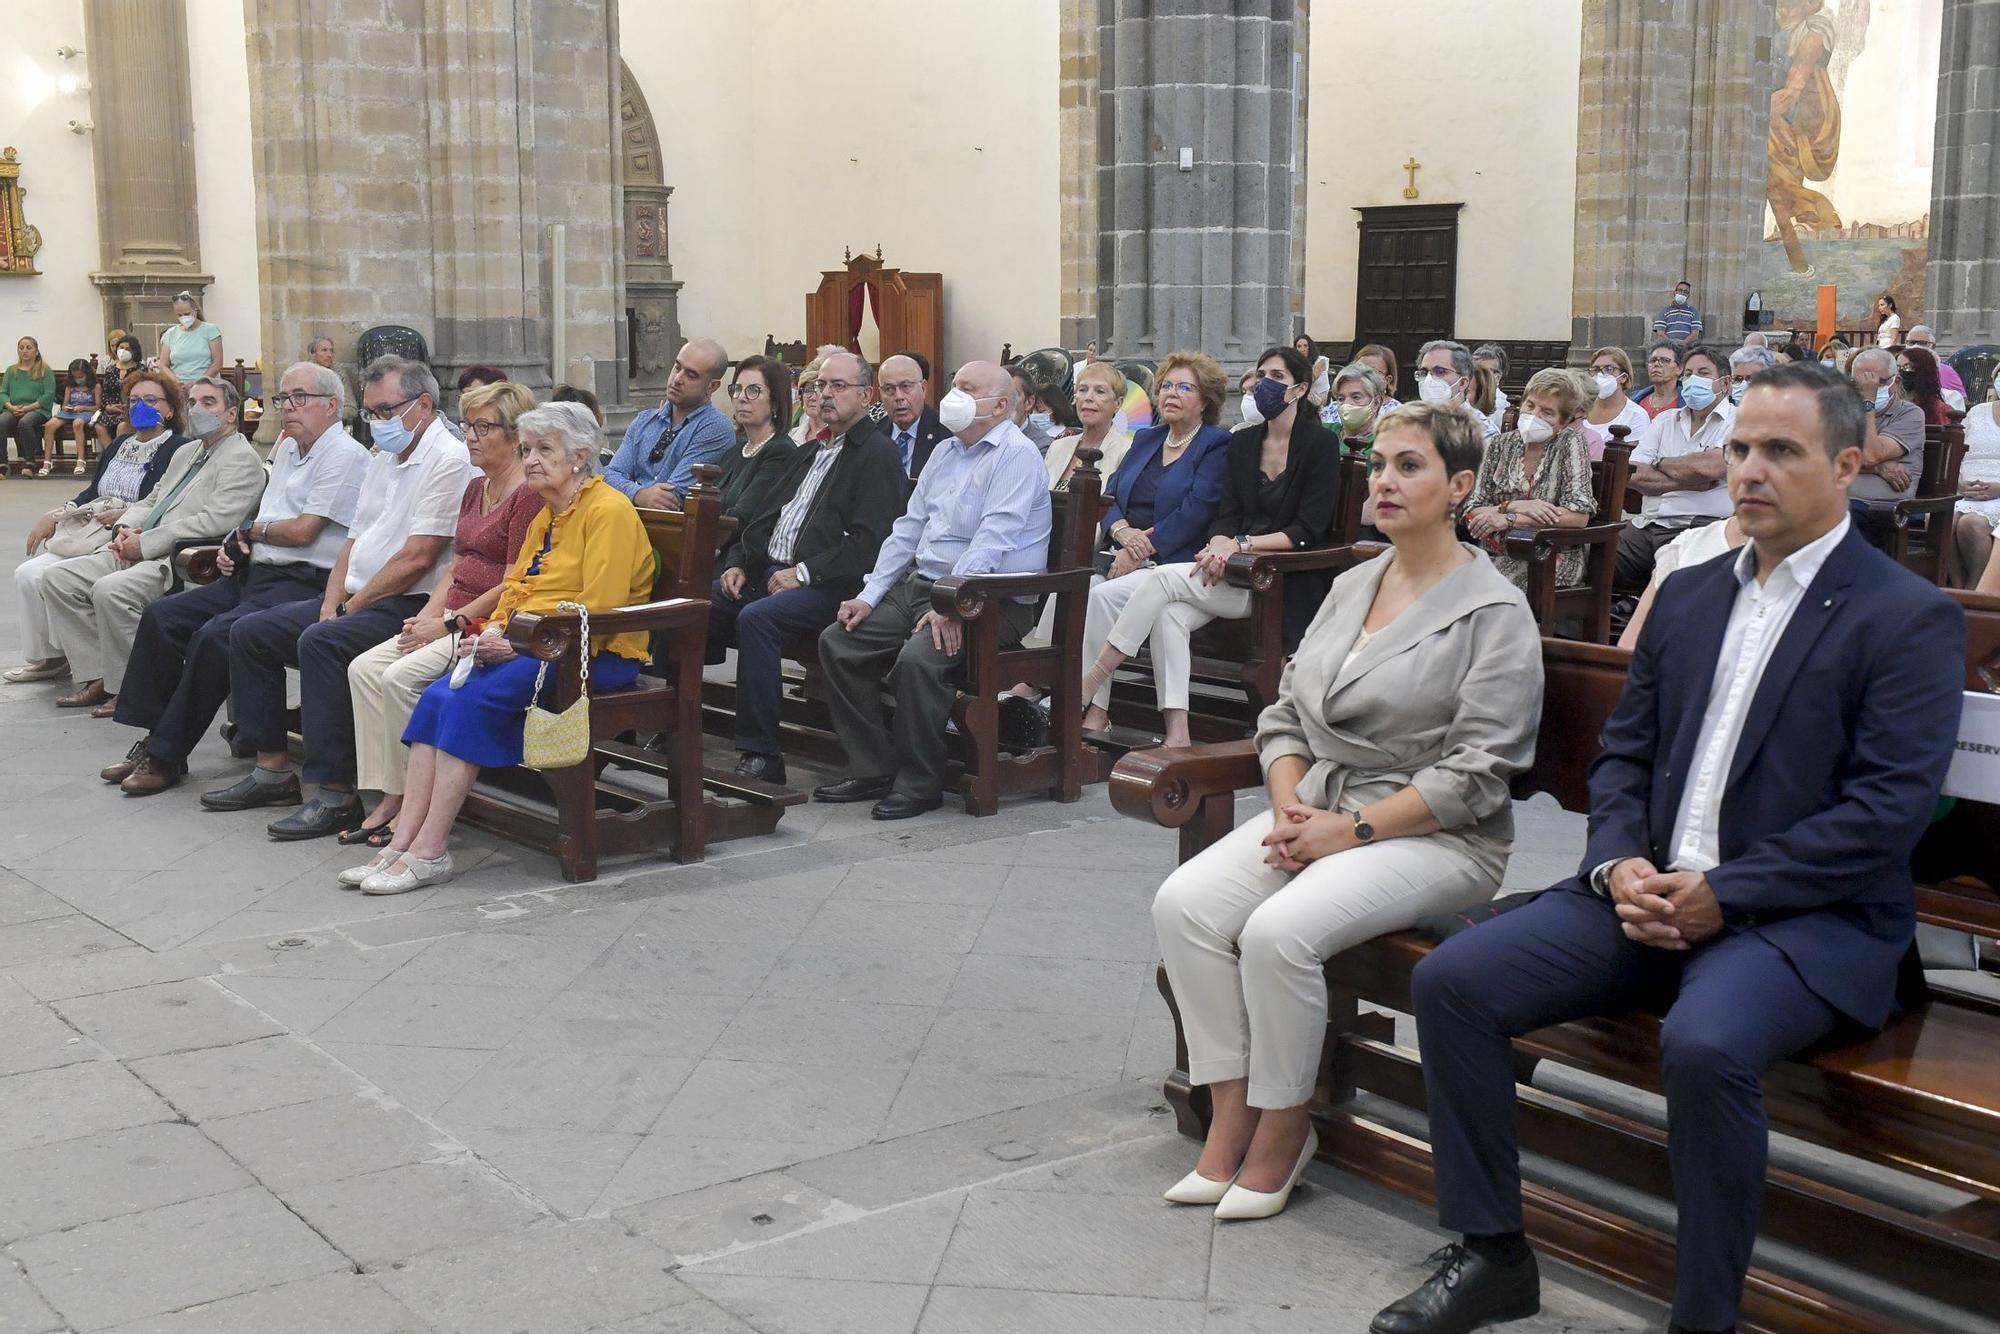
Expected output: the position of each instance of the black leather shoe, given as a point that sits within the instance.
(1024, 724)
(1463, 1294)
(897, 806)
(763, 768)
(316, 819)
(247, 794)
(855, 789)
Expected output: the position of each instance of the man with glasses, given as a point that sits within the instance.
(1444, 375)
(400, 541)
(178, 675)
(1663, 380)
(655, 462)
(1892, 458)
(913, 423)
(809, 546)
(1678, 468)
(1950, 384)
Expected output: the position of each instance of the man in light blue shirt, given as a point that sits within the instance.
(981, 507)
(656, 460)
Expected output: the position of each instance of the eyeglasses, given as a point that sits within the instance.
(393, 410)
(659, 451)
(750, 391)
(151, 400)
(482, 430)
(1178, 387)
(900, 386)
(1606, 369)
(836, 386)
(1435, 372)
(300, 399)
(1661, 361)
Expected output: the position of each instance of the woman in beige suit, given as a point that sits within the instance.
(1413, 698)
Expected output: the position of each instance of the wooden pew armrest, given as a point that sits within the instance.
(1166, 787)
(1260, 571)
(1533, 544)
(1909, 509)
(550, 634)
(972, 596)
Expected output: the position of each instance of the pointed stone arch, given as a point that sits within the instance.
(652, 295)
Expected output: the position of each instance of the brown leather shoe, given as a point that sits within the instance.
(107, 708)
(86, 696)
(151, 775)
(117, 773)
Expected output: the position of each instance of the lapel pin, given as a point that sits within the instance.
(1829, 602)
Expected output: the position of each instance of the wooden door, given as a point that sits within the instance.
(1406, 288)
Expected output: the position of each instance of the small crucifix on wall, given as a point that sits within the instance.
(1410, 190)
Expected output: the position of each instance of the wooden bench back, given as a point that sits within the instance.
(686, 540)
(1353, 495)
(1076, 511)
(1944, 453)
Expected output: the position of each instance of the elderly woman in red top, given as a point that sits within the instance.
(492, 520)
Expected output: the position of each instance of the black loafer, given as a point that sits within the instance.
(247, 794)
(898, 806)
(855, 789)
(763, 768)
(316, 819)
(1463, 1294)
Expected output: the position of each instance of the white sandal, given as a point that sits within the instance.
(409, 873)
(354, 877)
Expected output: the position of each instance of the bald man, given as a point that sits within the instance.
(981, 506)
(913, 423)
(655, 461)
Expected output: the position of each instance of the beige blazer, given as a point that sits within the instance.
(1446, 698)
(1063, 450)
(222, 495)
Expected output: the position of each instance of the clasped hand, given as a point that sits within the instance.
(1672, 910)
(484, 649)
(1301, 834)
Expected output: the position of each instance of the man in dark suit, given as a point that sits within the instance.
(912, 422)
(804, 553)
(1787, 721)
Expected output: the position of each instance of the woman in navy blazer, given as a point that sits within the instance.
(1166, 490)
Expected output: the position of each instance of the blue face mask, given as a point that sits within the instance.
(392, 436)
(1698, 392)
(1041, 421)
(1270, 397)
(143, 415)
(1882, 399)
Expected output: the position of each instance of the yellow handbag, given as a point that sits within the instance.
(551, 740)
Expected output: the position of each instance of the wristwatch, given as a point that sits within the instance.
(1243, 541)
(1363, 831)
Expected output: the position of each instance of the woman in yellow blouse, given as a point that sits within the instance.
(589, 546)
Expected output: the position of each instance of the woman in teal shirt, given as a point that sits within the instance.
(27, 397)
(190, 347)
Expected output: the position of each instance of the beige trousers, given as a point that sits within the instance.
(94, 604)
(385, 685)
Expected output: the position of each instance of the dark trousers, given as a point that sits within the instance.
(1637, 548)
(264, 643)
(1734, 1007)
(26, 431)
(178, 676)
(757, 628)
(1876, 526)
(855, 662)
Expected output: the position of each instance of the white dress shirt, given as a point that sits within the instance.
(1757, 622)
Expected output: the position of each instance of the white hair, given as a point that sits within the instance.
(1760, 356)
(571, 423)
(322, 379)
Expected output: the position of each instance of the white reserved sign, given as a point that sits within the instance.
(1975, 766)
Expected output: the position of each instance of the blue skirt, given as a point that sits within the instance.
(481, 722)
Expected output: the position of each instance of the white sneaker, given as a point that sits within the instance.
(409, 873)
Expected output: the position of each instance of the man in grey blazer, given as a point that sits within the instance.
(95, 601)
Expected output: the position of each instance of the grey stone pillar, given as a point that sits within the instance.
(1078, 162)
(652, 294)
(143, 150)
(1962, 277)
(1198, 256)
(1672, 110)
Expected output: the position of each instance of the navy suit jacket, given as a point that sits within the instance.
(1190, 491)
(1844, 748)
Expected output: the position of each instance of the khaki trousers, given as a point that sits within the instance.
(94, 604)
(384, 684)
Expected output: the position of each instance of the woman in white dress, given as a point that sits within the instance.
(1979, 498)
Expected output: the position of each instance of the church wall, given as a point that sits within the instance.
(1492, 118)
(67, 314)
(927, 126)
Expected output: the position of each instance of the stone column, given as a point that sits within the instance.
(410, 158)
(1077, 119)
(143, 149)
(1962, 276)
(1201, 257)
(652, 294)
(1672, 110)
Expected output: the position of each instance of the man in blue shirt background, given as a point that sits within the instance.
(655, 462)
(981, 507)
(1680, 322)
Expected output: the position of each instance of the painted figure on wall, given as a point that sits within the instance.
(1805, 128)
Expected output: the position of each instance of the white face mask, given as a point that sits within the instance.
(124, 354)
(957, 409)
(1251, 416)
(185, 321)
(1607, 385)
(1534, 430)
(1680, 298)
(1433, 390)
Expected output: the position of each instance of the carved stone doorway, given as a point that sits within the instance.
(652, 296)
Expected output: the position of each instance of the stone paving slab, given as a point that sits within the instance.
(114, 1172)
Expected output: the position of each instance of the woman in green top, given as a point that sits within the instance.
(761, 389)
(191, 347)
(27, 396)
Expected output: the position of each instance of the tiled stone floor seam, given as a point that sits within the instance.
(27, 1281)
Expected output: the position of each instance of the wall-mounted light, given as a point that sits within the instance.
(81, 127)
(72, 83)
(68, 52)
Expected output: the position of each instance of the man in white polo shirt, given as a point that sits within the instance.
(178, 674)
(1678, 467)
(400, 543)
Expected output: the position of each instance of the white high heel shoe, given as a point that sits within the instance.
(1238, 1204)
(1194, 1188)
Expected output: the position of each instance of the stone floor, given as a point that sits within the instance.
(850, 1077)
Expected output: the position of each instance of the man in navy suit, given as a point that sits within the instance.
(1786, 724)
(912, 422)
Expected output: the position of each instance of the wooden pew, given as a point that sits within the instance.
(1921, 1097)
(1922, 532)
(595, 813)
(1541, 548)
